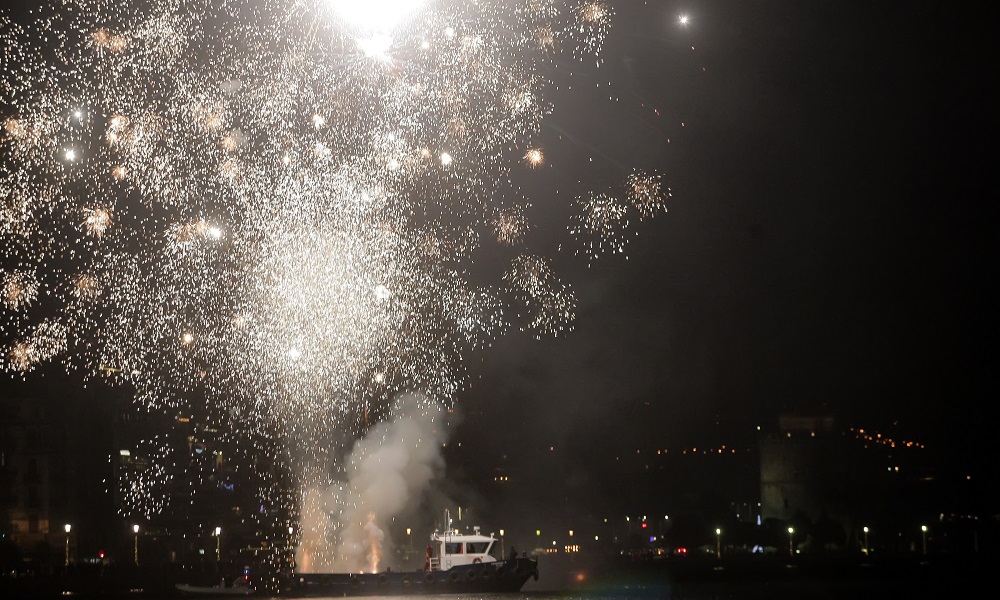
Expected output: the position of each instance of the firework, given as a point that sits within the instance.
(273, 206)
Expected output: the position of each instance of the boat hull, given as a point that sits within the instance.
(499, 577)
(208, 591)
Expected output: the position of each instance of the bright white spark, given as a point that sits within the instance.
(377, 46)
(374, 16)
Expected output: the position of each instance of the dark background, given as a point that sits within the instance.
(828, 248)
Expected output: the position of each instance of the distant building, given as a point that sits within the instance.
(87, 457)
(53, 449)
(798, 463)
(816, 471)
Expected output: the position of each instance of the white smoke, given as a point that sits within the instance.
(386, 474)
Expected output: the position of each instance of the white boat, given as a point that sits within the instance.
(454, 563)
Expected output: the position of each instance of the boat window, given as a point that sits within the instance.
(453, 548)
(476, 547)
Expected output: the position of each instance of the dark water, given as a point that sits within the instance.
(772, 578)
(907, 578)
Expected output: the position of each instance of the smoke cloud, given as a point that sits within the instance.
(386, 475)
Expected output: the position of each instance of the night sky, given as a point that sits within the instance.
(828, 249)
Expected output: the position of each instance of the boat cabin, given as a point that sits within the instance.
(450, 549)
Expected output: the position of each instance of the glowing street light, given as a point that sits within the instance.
(718, 543)
(502, 552)
(68, 528)
(218, 544)
(866, 540)
(791, 543)
(923, 533)
(135, 530)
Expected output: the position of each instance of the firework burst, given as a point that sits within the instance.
(272, 207)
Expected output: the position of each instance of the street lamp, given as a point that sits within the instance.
(410, 537)
(791, 544)
(866, 540)
(135, 530)
(68, 528)
(218, 544)
(718, 543)
(923, 533)
(502, 552)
